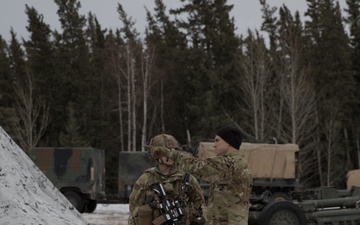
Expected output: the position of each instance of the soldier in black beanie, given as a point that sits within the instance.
(227, 172)
(231, 135)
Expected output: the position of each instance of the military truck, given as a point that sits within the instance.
(274, 167)
(131, 166)
(79, 173)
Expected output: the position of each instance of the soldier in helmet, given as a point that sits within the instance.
(228, 173)
(171, 178)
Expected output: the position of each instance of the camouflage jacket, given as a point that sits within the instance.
(230, 185)
(172, 184)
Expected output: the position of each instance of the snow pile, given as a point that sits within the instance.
(27, 197)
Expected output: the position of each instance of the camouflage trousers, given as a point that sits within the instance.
(241, 219)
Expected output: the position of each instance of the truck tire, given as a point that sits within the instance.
(282, 212)
(280, 196)
(91, 206)
(76, 200)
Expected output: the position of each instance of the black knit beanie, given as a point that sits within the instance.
(231, 135)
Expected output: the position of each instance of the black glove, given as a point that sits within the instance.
(200, 220)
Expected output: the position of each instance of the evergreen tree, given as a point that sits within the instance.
(73, 69)
(210, 67)
(269, 23)
(7, 111)
(96, 38)
(40, 61)
(170, 56)
(111, 94)
(352, 19)
(113, 143)
(17, 78)
(71, 137)
(39, 51)
(5, 77)
(331, 67)
(17, 59)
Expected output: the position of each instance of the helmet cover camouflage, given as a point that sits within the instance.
(165, 140)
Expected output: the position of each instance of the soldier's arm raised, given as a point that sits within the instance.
(207, 169)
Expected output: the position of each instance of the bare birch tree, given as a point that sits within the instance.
(298, 125)
(120, 108)
(298, 94)
(146, 72)
(331, 129)
(253, 81)
(32, 111)
(114, 69)
(129, 55)
(128, 72)
(133, 100)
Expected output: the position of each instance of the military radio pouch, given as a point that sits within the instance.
(145, 213)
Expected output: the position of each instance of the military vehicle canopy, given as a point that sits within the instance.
(353, 179)
(265, 160)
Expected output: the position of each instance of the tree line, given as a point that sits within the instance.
(85, 85)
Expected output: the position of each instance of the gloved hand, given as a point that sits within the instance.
(198, 221)
(156, 152)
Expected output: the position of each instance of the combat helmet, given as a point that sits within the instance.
(165, 140)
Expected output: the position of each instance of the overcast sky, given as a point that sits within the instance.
(246, 13)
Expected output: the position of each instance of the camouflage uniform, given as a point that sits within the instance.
(230, 188)
(172, 184)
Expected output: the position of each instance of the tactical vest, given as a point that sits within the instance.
(172, 184)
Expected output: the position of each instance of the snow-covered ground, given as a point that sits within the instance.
(27, 197)
(112, 214)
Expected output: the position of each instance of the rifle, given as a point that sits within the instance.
(171, 211)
